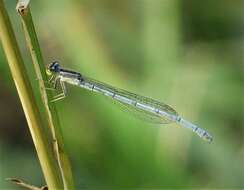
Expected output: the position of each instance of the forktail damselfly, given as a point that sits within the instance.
(147, 108)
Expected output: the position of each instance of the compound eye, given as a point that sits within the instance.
(54, 66)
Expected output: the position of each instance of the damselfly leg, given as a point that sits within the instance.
(63, 90)
(51, 78)
(50, 83)
(55, 81)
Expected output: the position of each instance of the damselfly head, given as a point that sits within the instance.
(53, 68)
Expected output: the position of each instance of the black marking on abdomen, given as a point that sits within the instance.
(79, 77)
(71, 74)
(179, 119)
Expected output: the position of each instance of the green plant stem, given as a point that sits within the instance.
(50, 109)
(33, 116)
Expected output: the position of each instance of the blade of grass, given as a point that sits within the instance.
(50, 109)
(29, 104)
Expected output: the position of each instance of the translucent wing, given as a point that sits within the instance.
(137, 112)
(141, 114)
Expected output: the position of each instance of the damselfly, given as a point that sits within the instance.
(148, 109)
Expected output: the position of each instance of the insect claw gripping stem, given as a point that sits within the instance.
(52, 89)
(58, 97)
(45, 83)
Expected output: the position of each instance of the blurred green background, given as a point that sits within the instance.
(188, 54)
